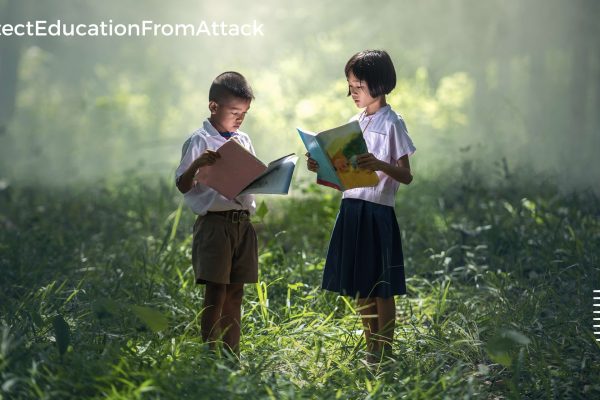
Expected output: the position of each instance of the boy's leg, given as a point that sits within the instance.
(232, 314)
(214, 297)
(367, 307)
(386, 318)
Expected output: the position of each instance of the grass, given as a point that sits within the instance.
(97, 298)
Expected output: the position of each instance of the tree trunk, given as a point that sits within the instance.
(579, 82)
(10, 49)
(595, 124)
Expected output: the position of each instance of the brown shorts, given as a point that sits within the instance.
(224, 249)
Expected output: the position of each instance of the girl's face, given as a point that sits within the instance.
(359, 90)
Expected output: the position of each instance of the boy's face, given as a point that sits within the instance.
(228, 115)
(359, 90)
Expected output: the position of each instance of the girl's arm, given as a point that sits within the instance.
(311, 164)
(400, 171)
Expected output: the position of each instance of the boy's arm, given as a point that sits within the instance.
(399, 172)
(186, 180)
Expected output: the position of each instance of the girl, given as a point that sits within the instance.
(364, 259)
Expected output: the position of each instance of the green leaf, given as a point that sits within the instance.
(176, 221)
(502, 347)
(37, 319)
(517, 337)
(499, 349)
(152, 318)
(262, 210)
(62, 333)
(104, 307)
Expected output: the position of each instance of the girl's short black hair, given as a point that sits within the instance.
(374, 67)
(230, 84)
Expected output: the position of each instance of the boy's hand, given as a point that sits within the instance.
(311, 164)
(207, 158)
(369, 161)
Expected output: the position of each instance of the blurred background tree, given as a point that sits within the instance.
(484, 81)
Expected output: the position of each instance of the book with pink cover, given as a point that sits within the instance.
(238, 171)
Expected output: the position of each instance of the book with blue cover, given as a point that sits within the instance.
(336, 150)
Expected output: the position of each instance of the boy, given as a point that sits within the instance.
(224, 252)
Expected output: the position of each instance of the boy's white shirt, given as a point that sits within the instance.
(387, 139)
(201, 198)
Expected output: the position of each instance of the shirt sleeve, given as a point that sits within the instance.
(251, 147)
(247, 143)
(400, 143)
(191, 150)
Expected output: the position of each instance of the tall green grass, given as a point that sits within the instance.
(97, 298)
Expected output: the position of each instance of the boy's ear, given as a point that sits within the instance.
(212, 106)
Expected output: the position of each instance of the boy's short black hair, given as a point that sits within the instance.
(230, 84)
(374, 67)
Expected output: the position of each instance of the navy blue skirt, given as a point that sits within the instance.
(365, 257)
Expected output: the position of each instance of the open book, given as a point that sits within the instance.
(238, 171)
(335, 150)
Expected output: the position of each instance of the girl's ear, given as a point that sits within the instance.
(212, 106)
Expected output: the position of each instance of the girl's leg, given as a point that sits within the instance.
(386, 320)
(367, 307)
(232, 313)
(214, 297)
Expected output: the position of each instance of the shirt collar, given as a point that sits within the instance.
(379, 112)
(212, 131)
(363, 117)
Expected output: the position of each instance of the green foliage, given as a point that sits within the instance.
(62, 333)
(261, 211)
(508, 78)
(500, 282)
(501, 346)
(152, 318)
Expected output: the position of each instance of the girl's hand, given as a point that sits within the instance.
(370, 162)
(311, 164)
(209, 157)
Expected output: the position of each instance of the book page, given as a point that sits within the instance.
(276, 179)
(342, 145)
(326, 174)
(233, 171)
